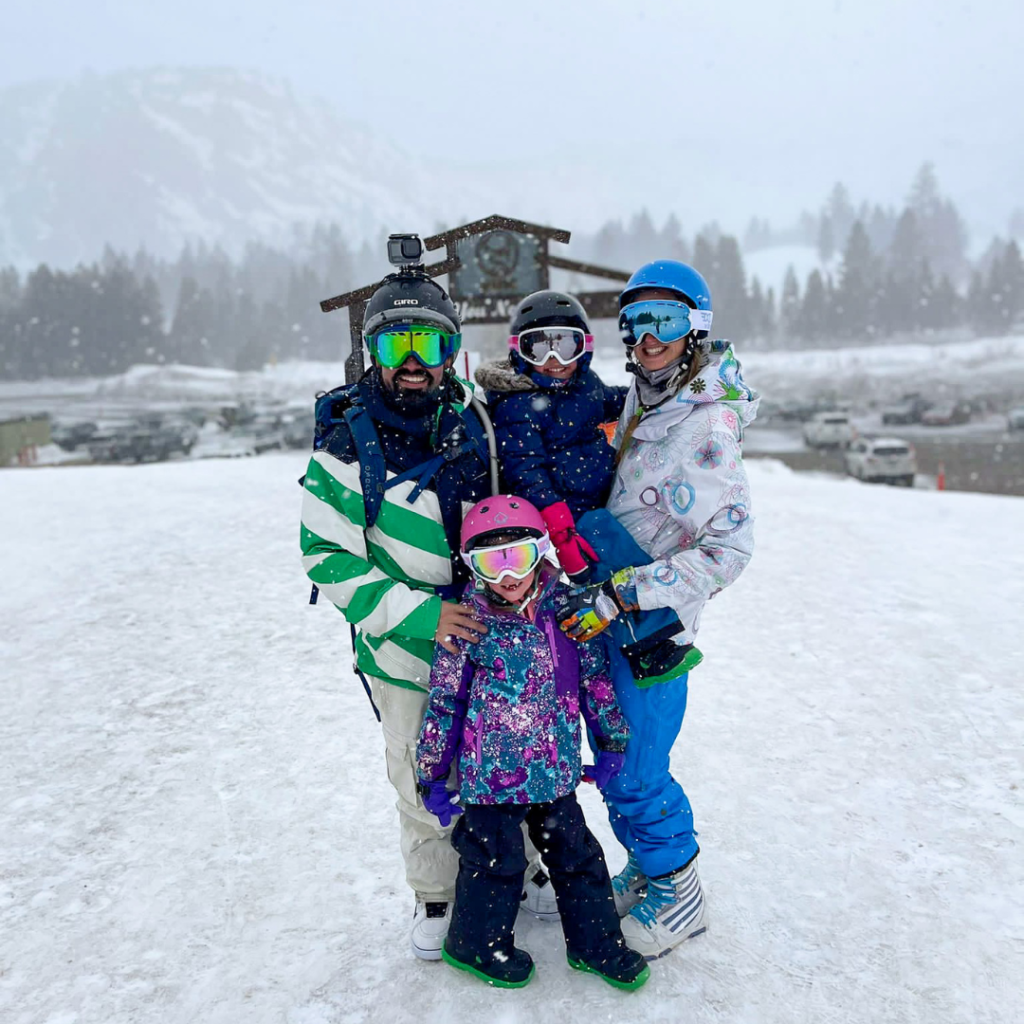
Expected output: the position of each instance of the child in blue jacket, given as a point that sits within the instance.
(507, 711)
(548, 408)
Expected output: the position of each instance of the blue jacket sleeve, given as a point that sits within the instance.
(521, 450)
(614, 400)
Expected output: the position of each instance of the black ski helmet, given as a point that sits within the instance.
(547, 309)
(408, 297)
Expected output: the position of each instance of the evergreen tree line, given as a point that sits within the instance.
(203, 309)
(885, 273)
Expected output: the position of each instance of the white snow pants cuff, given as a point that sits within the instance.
(430, 862)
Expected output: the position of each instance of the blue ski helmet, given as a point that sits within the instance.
(673, 276)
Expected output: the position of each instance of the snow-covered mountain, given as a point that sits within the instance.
(164, 156)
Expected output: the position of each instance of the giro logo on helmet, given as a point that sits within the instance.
(407, 302)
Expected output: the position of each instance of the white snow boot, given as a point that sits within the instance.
(539, 894)
(672, 911)
(628, 887)
(430, 923)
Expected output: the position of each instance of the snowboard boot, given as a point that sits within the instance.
(671, 912)
(501, 971)
(625, 969)
(430, 923)
(539, 894)
(628, 887)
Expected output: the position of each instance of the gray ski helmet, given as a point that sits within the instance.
(407, 298)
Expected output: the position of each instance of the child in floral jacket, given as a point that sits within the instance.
(507, 711)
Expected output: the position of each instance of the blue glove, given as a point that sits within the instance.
(440, 800)
(607, 765)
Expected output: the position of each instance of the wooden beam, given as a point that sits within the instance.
(588, 268)
(492, 223)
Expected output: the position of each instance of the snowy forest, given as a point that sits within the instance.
(882, 272)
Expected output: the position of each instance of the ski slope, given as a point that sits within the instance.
(195, 824)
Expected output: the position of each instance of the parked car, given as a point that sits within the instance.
(887, 459)
(909, 409)
(1015, 419)
(69, 436)
(946, 414)
(141, 440)
(829, 430)
(298, 429)
(263, 432)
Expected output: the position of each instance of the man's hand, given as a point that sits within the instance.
(457, 620)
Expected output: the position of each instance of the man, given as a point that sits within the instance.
(397, 456)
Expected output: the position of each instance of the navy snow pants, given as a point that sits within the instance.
(489, 887)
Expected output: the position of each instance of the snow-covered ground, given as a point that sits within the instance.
(196, 825)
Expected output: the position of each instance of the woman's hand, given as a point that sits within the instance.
(457, 620)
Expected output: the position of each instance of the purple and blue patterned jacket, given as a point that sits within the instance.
(509, 706)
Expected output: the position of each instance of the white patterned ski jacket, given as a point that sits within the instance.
(681, 489)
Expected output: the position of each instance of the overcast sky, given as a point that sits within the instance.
(597, 107)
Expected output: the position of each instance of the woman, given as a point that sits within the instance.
(681, 491)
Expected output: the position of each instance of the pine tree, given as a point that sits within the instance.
(728, 283)
(789, 307)
(812, 324)
(942, 229)
(826, 240)
(839, 210)
(854, 299)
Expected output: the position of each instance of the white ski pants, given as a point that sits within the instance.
(430, 862)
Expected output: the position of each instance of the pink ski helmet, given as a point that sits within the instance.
(501, 513)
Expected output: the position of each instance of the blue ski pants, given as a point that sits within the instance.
(648, 809)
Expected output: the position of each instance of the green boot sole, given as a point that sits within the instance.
(496, 982)
(638, 982)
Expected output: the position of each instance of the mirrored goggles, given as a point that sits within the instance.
(668, 321)
(431, 346)
(517, 560)
(539, 344)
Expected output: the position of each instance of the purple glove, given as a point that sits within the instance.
(606, 766)
(440, 800)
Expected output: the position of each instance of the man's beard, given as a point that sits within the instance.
(413, 402)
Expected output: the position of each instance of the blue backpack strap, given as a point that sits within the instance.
(455, 448)
(344, 405)
(373, 470)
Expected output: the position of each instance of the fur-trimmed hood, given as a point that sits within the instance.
(498, 375)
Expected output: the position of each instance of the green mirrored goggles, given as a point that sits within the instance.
(430, 346)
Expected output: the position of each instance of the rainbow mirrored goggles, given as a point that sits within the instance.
(668, 321)
(539, 344)
(516, 559)
(430, 346)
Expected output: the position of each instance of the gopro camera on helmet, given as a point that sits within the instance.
(405, 251)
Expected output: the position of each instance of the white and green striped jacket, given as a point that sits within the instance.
(382, 579)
